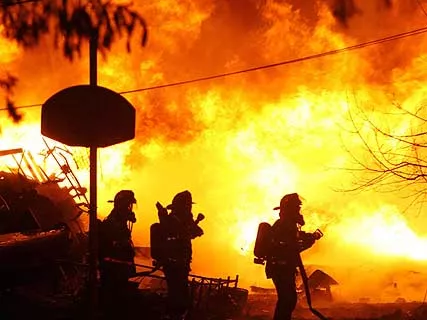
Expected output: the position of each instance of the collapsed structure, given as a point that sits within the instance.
(43, 228)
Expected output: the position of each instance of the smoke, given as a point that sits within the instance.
(239, 143)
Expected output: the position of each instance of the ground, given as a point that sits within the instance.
(258, 307)
(261, 307)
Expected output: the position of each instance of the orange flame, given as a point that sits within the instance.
(242, 142)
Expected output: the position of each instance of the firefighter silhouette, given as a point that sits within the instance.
(171, 248)
(116, 251)
(279, 246)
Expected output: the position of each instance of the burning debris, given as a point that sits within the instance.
(319, 284)
(211, 297)
(43, 229)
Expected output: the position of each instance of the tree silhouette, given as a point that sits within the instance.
(72, 23)
(394, 156)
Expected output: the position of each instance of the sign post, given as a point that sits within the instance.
(89, 116)
(93, 187)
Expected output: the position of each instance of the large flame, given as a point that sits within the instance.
(240, 143)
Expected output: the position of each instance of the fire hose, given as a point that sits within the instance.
(307, 289)
(137, 274)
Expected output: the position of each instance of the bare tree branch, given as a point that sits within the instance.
(394, 157)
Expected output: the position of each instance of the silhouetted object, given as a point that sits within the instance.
(172, 249)
(280, 245)
(42, 237)
(116, 252)
(33, 230)
(87, 116)
(262, 243)
(320, 286)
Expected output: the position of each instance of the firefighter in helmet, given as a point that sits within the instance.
(179, 229)
(116, 250)
(287, 241)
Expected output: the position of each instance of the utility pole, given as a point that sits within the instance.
(93, 226)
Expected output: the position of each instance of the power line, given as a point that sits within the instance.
(311, 57)
(25, 107)
(268, 66)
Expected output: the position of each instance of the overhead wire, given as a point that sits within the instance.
(268, 66)
(310, 57)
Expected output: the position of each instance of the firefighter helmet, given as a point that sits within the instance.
(181, 200)
(124, 197)
(292, 198)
